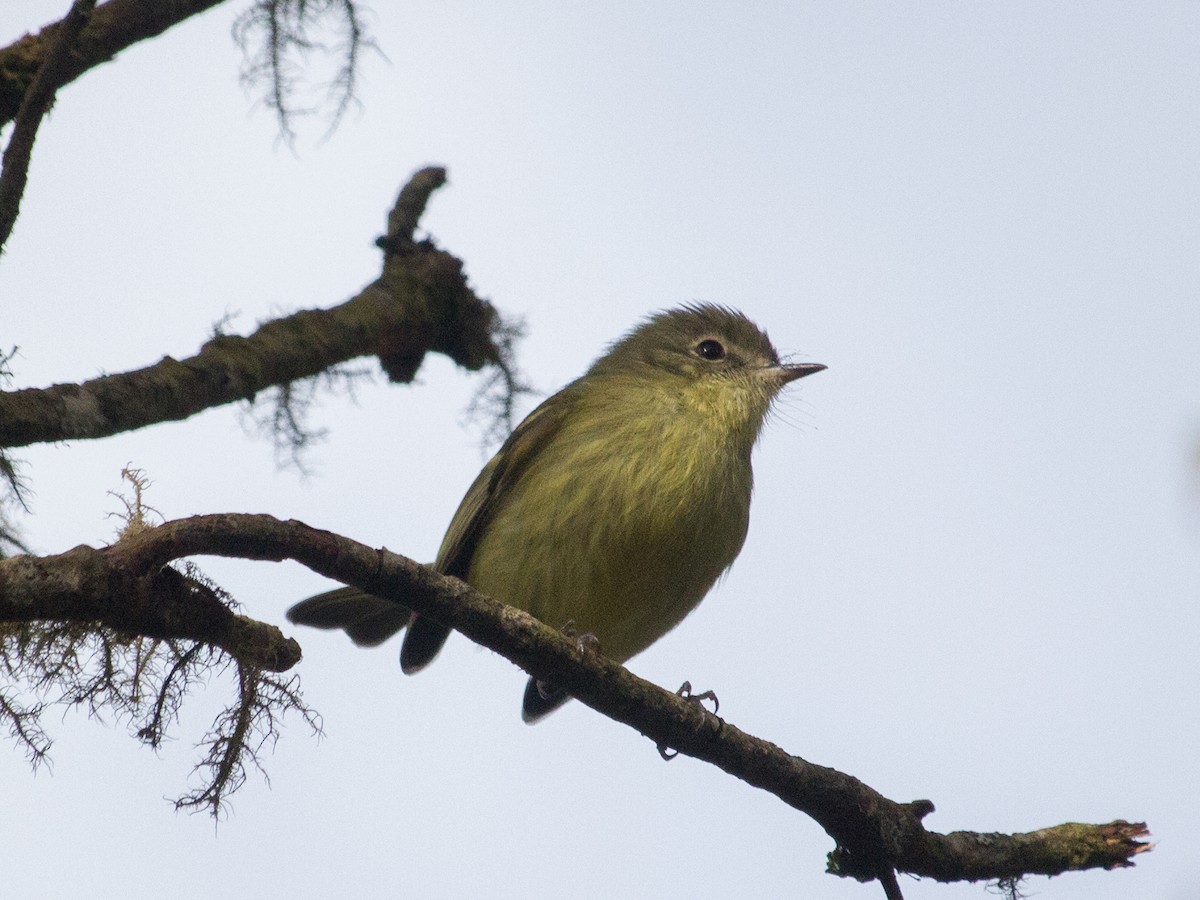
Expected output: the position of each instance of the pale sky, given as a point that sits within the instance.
(973, 569)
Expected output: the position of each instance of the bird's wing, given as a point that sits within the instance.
(496, 481)
(486, 495)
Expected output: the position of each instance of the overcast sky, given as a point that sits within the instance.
(973, 568)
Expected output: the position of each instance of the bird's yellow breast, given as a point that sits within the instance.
(622, 523)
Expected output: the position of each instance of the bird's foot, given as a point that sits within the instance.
(685, 691)
(585, 642)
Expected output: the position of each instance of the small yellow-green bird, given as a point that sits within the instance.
(615, 505)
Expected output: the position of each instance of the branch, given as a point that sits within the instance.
(420, 303)
(99, 587)
(406, 214)
(875, 836)
(15, 171)
(113, 27)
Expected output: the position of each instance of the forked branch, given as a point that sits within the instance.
(875, 836)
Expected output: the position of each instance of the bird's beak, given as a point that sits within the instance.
(798, 370)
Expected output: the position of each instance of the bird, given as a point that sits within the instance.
(612, 508)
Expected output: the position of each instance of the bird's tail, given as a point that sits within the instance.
(540, 700)
(367, 619)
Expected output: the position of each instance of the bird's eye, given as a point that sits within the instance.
(710, 350)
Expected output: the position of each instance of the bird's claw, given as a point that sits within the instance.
(585, 642)
(685, 691)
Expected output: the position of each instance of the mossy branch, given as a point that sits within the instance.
(37, 100)
(113, 27)
(420, 303)
(875, 836)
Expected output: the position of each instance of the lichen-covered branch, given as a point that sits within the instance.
(420, 303)
(241, 732)
(86, 586)
(112, 27)
(277, 36)
(83, 630)
(875, 836)
(36, 103)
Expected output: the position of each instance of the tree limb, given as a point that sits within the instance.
(38, 100)
(89, 586)
(875, 836)
(113, 27)
(420, 303)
